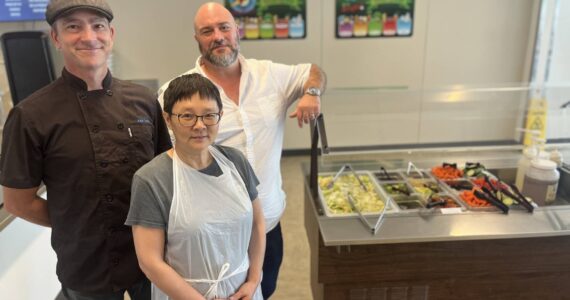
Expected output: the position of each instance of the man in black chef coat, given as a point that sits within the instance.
(83, 136)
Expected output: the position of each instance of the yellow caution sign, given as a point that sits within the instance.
(535, 119)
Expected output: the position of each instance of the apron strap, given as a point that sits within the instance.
(214, 283)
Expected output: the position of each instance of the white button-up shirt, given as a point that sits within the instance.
(256, 126)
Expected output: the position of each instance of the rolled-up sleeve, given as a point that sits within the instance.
(21, 157)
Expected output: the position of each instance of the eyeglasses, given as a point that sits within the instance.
(189, 120)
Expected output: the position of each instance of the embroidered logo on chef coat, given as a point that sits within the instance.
(143, 121)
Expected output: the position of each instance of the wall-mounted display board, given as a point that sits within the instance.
(22, 10)
(374, 18)
(269, 19)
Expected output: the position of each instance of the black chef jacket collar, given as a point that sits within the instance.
(78, 83)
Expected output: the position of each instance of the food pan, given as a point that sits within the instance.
(334, 199)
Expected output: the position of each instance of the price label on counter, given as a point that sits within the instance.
(451, 210)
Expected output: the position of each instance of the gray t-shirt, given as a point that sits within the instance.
(152, 189)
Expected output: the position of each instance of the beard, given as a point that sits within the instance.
(223, 60)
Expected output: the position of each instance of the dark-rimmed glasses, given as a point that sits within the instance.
(188, 120)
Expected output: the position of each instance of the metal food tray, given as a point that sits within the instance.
(457, 195)
(409, 180)
(390, 207)
(514, 206)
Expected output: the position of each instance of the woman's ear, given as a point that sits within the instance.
(168, 119)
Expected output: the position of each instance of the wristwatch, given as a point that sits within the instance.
(313, 91)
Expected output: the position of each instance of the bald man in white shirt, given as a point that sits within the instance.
(256, 95)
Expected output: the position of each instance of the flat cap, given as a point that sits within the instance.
(58, 8)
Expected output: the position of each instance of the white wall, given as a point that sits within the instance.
(455, 42)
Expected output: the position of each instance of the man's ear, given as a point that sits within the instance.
(54, 37)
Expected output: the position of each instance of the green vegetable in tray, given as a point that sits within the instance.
(396, 189)
(335, 197)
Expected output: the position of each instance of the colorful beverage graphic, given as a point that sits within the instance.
(267, 30)
(297, 27)
(345, 26)
(251, 28)
(281, 27)
(374, 18)
(269, 19)
(389, 27)
(360, 26)
(375, 25)
(404, 25)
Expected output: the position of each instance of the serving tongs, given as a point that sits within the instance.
(485, 194)
(432, 204)
(413, 167)
(519, 197)
(385, 173)
(516, 196)
(342, 170)
(374, 228)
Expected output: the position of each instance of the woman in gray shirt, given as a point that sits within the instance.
(198, 226)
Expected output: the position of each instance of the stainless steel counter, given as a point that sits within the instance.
(406, 227)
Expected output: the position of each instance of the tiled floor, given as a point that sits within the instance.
(294, 277)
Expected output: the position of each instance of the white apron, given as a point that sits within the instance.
(209, 229)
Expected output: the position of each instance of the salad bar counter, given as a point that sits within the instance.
(434, 225)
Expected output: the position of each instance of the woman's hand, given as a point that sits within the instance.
(245, 291)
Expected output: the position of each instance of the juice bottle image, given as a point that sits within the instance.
(297, 27)
(345, 26)
(360, 26)
(375, 25)
(281, 27)
(389, 27)
(251, 28)
(404, 24)
(267, 30)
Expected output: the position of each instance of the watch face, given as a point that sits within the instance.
(313, 91)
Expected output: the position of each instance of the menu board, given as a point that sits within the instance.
(22, 10)
(269, 19)
(374, 18)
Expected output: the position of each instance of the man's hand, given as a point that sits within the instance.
(308, 108)
(245, 291)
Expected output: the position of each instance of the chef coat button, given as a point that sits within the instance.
(82, 95)
(109, 198)
(109, 93)
(126, 160)
(120, 126)
(95, 128)
(103, 164)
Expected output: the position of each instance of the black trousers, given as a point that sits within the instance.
(272, 261)
(138, 291)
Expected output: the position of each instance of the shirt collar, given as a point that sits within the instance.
(78, 83)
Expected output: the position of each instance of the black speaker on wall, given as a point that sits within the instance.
(29, 66)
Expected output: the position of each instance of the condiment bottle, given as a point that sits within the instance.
(541, 181)
(522, 166)
(556, 157)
